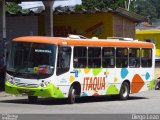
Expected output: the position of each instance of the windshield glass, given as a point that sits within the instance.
(34, 60)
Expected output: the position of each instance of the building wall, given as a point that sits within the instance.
(101, 25)
(21, 26)
(89, 25)
(153, 35)
(123, 27)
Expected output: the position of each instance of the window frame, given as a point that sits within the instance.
(94, 61)
(121, 57)
(109, 57)
(63, 70)
(149, 58)
(77, 57)
(136, 58)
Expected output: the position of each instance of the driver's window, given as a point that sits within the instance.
(63, 62)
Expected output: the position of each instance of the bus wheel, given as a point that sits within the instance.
(72, 95)
(32, 99)
(124, 92)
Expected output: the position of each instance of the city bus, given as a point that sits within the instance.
(76, 66)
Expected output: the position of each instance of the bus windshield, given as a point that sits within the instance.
(31, 60)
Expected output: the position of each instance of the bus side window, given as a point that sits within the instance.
(121, 57)
(108, 57)
(146, 57)
(134, 57)
(94, 57)
(63, 62)
(80, 57)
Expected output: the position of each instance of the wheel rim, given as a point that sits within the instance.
(124, 91)
(73, 95)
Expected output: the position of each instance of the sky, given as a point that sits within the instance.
(26, 5)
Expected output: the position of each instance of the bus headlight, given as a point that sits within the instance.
(11, 82)
(10, 79)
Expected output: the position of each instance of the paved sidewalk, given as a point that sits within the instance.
(3, 94)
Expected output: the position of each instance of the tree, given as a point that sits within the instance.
(144, 8)
(156, 4)
(102, 4)
(12, 7)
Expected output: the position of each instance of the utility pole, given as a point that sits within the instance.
(4, 29)
(4, 19)
(2, 44)
(49, 16)
(127, 4)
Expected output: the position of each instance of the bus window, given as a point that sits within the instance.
(80, 57)
(94, 57)
(146, 57)
(63, 62)
(108, 57)
(134, 57)
(121, 57)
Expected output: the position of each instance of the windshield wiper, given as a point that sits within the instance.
(13, 71)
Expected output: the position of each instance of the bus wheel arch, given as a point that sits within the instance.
(74, 92)
(124, 90)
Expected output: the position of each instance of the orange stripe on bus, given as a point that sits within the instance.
(84, 42)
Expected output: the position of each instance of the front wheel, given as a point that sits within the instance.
(32, 99)
(72, 95)
(124, 92)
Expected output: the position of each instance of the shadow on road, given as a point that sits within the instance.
(51, 101)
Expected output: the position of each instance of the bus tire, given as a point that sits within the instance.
(71, 95)
(124, 91)
(32, 99)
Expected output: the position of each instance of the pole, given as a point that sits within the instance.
(4, 30)
(129, 2)
(4, 19)
(3, 47)
(51, 17)
(125, 4)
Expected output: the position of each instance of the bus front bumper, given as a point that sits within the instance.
(48, 91)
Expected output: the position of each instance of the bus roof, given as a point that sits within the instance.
(84, 42)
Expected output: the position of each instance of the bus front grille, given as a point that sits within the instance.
(27, 85)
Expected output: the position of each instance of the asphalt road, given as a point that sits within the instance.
(141, 103)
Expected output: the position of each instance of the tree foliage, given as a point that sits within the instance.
(102, 4)
(12, 7)
(156, 4)
(147, 8)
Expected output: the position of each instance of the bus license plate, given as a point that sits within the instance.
(25, 91)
